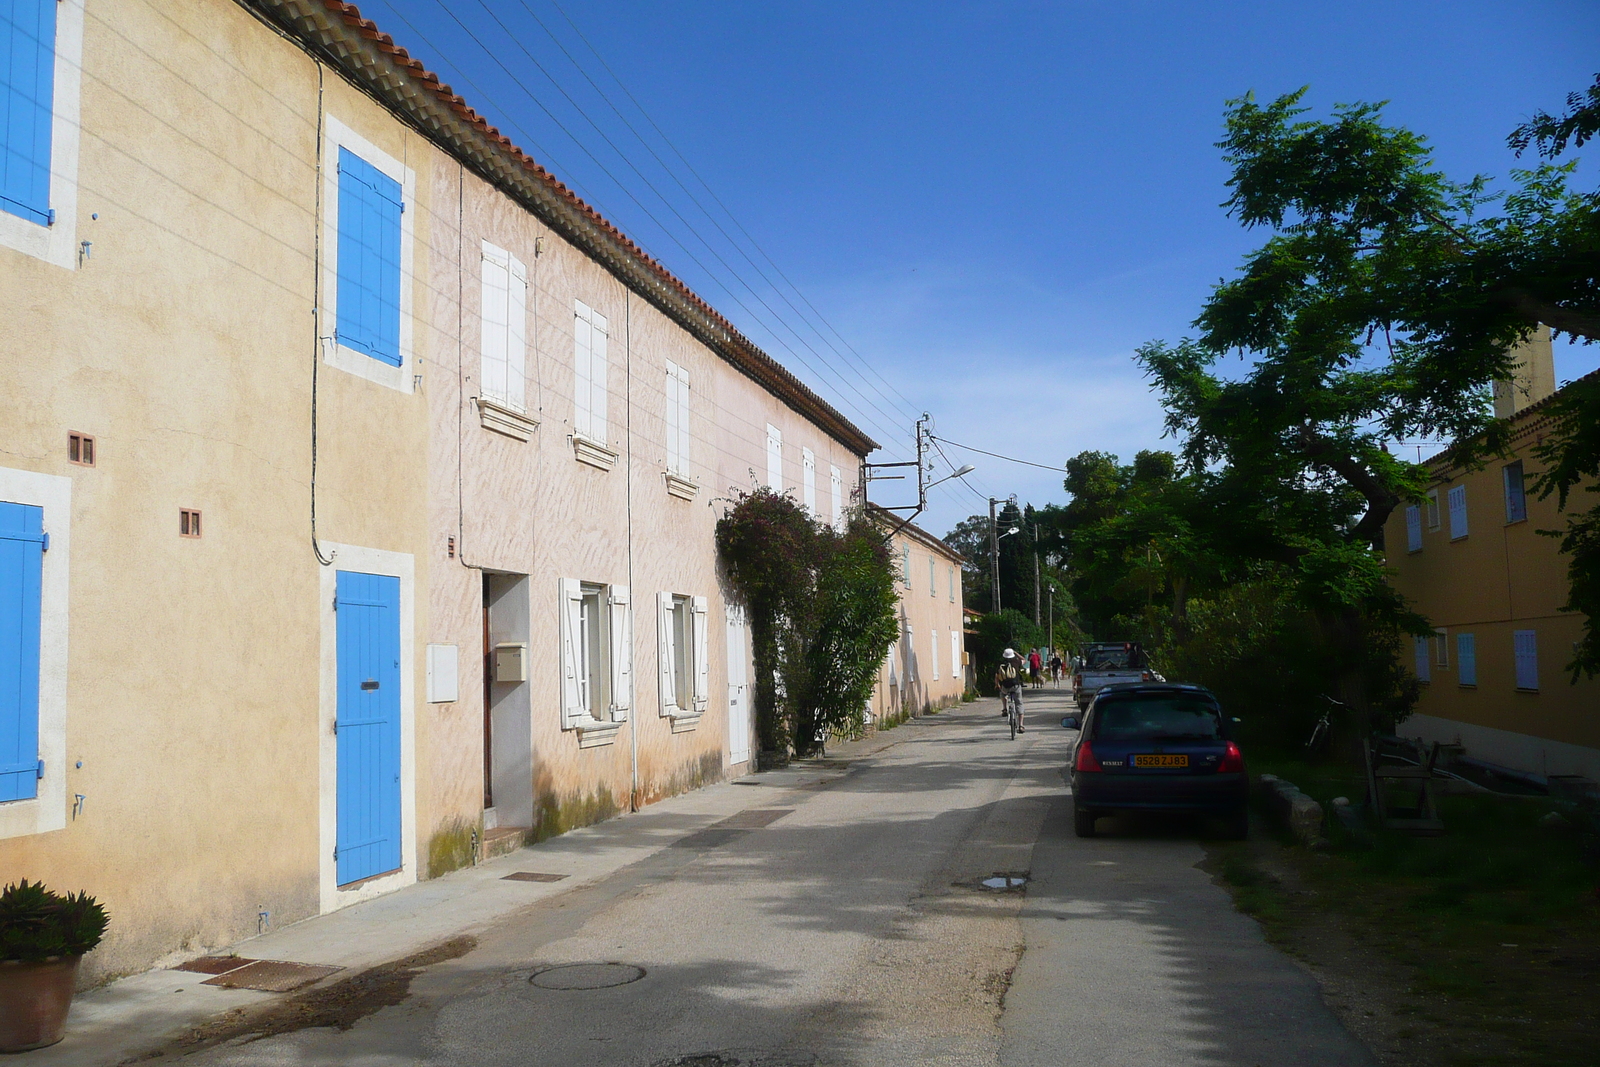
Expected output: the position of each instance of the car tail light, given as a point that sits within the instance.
(1232, 760)
(1147, 677)
(1085, 761)
(1077, 680)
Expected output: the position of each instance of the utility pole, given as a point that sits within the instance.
(1036, 574)
(994, 559)
(1050, 635)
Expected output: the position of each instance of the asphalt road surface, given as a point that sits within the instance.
(855, 929)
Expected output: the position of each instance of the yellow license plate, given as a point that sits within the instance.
(1181, 760)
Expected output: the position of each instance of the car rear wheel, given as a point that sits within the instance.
(1083, 822)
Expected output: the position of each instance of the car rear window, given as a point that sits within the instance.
(1114, 659)
(1158, 716)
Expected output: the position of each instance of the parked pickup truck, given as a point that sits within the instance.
(1108, 663)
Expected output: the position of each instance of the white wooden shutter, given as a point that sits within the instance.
(894, 670)
(836, 491)
(665, 682)
(1457, 498)
(621, 653)
(808, 479)
(1424, 665)
(674, 456)
(495, 315)
(774, 458)
(699, 618)
(684, 451)
(597, 377)
(955, 654)
(1525, 644)
(1413, 528)
(933, 653)
(572, 667)
(517, 335)
(582, 370)
(933, 575)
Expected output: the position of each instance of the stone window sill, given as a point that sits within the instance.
(593, 453)
(504, 419)
(681, 487)
(594, 733)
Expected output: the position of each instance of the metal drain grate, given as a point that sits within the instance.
(586, 976)
(709, 838)
(214, 964)
(533, 876)
(752, 819)
(272, 976)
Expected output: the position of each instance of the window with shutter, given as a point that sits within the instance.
(27, 105)
(952, 585)
(677, 412)
(368, 260)
(955, 654)
(1466, 659)
(1457, 501)
(1525, 645)
(836, 493)
(933, 653)
(1516, 492)
(905, 565)
(1413, 529)
(589, 372)
(670, 647)
(1433, 509)
(1441, 647)
(21, 570)
(808, 480)
(505, 324)
(1424, 667)
(774, 458)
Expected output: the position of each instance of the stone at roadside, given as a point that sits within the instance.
(1554, 820)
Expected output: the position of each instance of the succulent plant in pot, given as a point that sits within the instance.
(43, 935)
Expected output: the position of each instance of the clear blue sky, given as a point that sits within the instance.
(993, 203)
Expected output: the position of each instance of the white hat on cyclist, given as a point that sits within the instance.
(1010, 653)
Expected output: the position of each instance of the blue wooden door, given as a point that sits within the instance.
(21, 562)
(368, 725)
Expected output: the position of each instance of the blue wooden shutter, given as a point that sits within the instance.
(369, 259)
(1466, 659)
(1525, 645)
(1413, 529)
(21, 566)
(27, 100)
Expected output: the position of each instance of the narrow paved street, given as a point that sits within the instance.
(853, 928)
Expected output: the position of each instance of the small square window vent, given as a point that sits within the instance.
(80, 449)
(188, 523)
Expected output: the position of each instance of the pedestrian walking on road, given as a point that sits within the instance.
(1036, 669)
(1055, 669)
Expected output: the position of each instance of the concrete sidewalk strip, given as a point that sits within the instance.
(110, 1024)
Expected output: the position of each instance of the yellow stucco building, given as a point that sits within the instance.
(357, 481)
(926, 667)
(1471, 558)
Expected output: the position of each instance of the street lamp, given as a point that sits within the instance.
(962, 473)
(994, 553)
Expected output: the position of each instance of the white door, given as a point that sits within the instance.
(738, 687)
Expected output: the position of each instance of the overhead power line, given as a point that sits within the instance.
(996, 455)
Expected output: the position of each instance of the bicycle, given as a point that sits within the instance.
(1318, 742)
(1013, 701)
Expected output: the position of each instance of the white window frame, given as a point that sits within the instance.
(1457, 501)
(774, 458)
(1441, 647)
(693, 676)
(57, 243)
(1521, 491)
(46, 810)
(1433, 509)
(836, 492)
(590, 374)
(503, 352)
(808, 480)
(1525, 654)
(337, 135)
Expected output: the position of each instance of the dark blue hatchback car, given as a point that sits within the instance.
(1153, 746)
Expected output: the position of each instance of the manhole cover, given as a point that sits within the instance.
(532, 876)
(587, 976)
(272, 976)
(752, 819)
(1004, 882)
(214, 964)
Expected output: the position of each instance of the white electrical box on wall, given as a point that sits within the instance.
(511, 662)
(444, 685)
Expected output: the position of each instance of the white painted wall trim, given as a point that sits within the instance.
(336, 135)
(401, 565)
(1519, 752)
(58, 244)
(48, 810)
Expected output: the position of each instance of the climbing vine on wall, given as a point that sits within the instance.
(821, 611)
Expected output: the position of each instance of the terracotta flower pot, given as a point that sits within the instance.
(34, 998)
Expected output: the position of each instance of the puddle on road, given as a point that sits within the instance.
(1004, 882)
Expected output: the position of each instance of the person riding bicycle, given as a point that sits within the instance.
(1009, 677)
